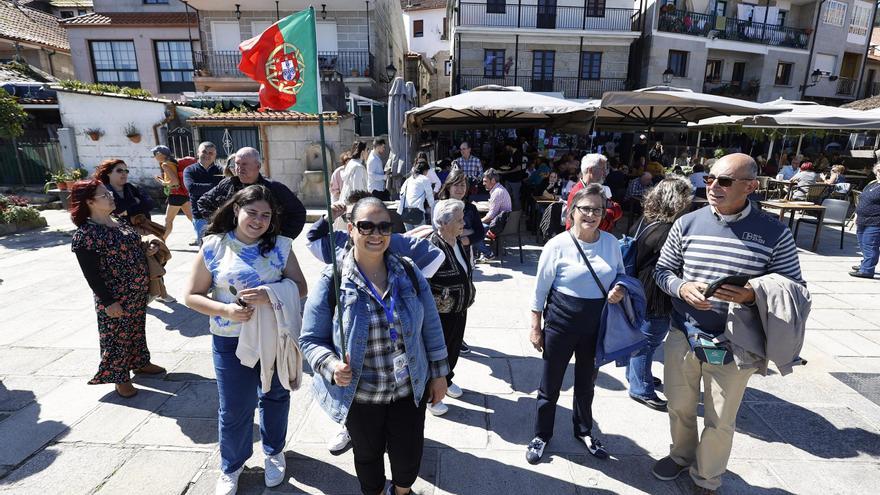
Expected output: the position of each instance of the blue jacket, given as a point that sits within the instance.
(620, 330)
(320, 337)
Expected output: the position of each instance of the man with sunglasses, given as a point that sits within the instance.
(730, 237)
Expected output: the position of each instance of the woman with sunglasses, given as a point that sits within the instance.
(378, 370)
(129, 199)
(114, 263)
(570, 299)
(242, 251)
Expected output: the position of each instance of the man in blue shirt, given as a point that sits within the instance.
(200, 178)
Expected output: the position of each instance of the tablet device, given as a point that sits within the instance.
(737, 280)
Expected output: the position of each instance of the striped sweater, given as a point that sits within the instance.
(703, 247)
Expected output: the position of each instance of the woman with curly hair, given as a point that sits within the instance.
(114, 263)
(665, 202)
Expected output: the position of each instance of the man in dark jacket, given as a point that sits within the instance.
(247, 172)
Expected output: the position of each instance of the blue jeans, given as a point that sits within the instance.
(240, 392)
(200, 224)
(638, 371)
(481, 246)
(869, 242)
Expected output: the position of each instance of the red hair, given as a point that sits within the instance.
(103, 170)
(80, 193)
(807, 166)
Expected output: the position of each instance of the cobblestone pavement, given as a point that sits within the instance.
(816, 431)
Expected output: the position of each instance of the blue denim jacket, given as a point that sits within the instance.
(320, 337)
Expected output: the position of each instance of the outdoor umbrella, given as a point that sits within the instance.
(398, 104)
(801, 115)
(664, 106)
(500, 107)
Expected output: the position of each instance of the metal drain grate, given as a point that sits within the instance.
(866, 384)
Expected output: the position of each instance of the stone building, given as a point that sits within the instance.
(794, 49)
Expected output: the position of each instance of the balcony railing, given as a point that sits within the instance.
(515, 15)
(348, 63)
(846, 86)
(696, 24)
(569, 86)
(745, 90)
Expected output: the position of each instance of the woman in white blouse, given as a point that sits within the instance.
(416, 190)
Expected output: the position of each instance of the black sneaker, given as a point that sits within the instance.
(667, 469)
(655, 403)
(859, 274)
(657, 381)
(535, 450)
(594, 446)
(856, 268)
(464, 349)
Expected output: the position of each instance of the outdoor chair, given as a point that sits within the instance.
(763, 186)
(511, 228)
(814, 193)
(856, 195)
(836, 211)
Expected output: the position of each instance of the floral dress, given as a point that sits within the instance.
(118, 274)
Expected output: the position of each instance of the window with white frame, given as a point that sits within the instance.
(861, 15)
(835, 13)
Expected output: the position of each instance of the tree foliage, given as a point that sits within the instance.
(12, 116)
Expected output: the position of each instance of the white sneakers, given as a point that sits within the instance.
(439, 409)
(275, 468)
(227, 484)
(453, 391)
(339, 442)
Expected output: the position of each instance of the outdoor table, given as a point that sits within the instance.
(482, 206)
(776, 184)
(793, 206)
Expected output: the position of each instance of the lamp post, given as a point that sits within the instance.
(814, 78)
(390, 71)
(667, 76)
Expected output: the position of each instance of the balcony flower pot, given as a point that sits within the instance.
(135, 138)
(132, 132)
(61, 185)
(94, 134)
(68, 185)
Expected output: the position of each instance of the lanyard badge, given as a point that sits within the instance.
(388, 308)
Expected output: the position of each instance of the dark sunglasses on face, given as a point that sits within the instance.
(366, 227)
(723, 181)
(121, 170)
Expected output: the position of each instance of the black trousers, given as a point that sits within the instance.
(383, 195)
(397, 428)
(453, 333)
(571, 327)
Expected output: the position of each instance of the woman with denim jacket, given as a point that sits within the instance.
(394, 358)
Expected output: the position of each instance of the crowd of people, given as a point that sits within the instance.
(384, 332)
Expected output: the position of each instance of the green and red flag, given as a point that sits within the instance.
(284, 60)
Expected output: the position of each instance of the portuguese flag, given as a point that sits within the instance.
(284, 60)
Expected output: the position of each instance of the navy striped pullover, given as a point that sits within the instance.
(703, 247)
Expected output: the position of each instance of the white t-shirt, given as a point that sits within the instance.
(414, 192)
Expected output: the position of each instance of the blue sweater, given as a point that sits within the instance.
(868, 212)
(198, 180)
(703, 247)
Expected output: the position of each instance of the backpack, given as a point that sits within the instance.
(629, 250)
(408, 267)
(181, 166)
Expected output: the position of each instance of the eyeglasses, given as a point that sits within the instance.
(586, 210)
(108, 195)
(366, 227)
(122, 170)
(723, 181)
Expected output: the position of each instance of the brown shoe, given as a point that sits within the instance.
(150, 369)
(126, 390)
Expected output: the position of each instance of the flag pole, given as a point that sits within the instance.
(336, 279)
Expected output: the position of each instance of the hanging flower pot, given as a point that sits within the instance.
(94, 133)
(135, 138)
(132, 133)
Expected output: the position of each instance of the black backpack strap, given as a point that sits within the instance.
(408, 267)
(589, 265)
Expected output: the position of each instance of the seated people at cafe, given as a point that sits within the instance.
(788, 171)
(616, 181)
(499, 202)
(551, 187)
(836, 176)
(656, 169)
(637, 189)
(801, 180)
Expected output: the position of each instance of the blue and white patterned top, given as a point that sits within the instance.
(234, 263)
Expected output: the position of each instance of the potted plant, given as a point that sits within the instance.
(354, 72)
(60, 179)
(132, 133)
(94, 133)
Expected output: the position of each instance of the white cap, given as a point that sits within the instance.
(642, 136)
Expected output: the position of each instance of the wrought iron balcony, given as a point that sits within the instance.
(570, 86)
(846, 86)
(514, 15)
(707, 25)
(745, 90)
(348, 63)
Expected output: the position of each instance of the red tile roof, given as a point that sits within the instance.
(270, 116)
(133, 19)
(24, 24)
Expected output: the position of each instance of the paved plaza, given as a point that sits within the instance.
(814, 432)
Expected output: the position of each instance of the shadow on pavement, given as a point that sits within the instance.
(810, 431)
(34, 240)
(181, 318)
(23, 420)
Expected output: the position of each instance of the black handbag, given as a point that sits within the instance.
(410, 215)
